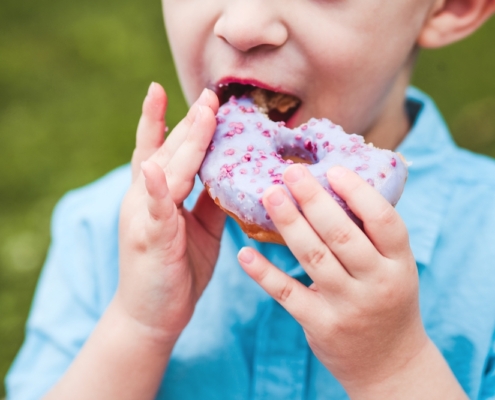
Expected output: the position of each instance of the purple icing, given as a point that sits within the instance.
(248, 151)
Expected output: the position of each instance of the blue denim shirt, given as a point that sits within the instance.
(240, 344)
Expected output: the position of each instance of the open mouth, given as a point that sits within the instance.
(277, 106)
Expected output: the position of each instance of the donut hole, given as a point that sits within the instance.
(298, 155)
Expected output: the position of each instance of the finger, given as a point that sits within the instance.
(314, 256)
(296, 298)
(344, 238)
(175, 139)
(151, 128)
(209, 215)
(185, 163)
(382, 223)
(163, 221)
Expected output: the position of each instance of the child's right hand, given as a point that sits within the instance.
(167, 253)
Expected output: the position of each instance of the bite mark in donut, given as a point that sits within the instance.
(250, 152)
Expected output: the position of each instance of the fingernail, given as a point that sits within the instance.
(276, 198)
(151, 88)
(203, 98)
(246, 255)
(335, 173)
(198, 116)
(294, 174)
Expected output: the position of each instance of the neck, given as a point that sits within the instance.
(392, 125)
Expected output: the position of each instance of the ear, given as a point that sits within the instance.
(452, 20)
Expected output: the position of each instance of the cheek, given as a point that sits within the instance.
(356, 59)
(189, 25)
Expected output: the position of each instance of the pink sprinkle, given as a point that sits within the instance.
(229, 152)
(371, 182)
(312, 123)
(304, 127)
(330, 148)
(259, 164)
(343, 147)
(363, 167)
(267, 217)
(319, 135)
(262, 153)
(266, 133)
(250, 110)
(353, 139)
(233, 100)
(246, 157)
(355, 147)
(241, 196)
(289, 162)
(298, 137)
(281, 124)
(220, 120)
(225, 111)
(238, 127)
(393, 162)
(258, 124)
(308, 145)
(230, 133)
(250, 148)
(212, 147)
(270, 171)
(243, 171)
(256, 171)
(242, 108)
(382, 175)
(259, 190)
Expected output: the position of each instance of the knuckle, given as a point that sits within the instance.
(340, 235)
(285, 291)
(387, 216)
(315, 256)
(309, 196)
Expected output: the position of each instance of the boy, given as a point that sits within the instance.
(146, 316)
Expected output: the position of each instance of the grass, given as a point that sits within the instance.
(72, 78)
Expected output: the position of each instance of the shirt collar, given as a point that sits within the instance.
(427, 191)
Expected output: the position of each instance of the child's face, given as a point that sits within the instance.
(344, 59)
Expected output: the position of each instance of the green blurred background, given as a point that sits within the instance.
(72, 79)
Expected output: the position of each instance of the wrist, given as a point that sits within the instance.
(147, 335)
(425, 375)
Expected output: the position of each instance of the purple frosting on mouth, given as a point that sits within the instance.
(249, 153)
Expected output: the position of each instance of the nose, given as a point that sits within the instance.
(250, 24)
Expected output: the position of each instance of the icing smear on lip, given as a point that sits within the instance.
(249, 153)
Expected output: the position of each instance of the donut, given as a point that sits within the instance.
(249, 153)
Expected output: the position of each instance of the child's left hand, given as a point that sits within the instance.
(361, 315)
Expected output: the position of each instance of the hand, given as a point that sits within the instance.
(167, 254)
(361, 315)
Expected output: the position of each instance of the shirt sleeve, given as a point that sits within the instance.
(66, 306)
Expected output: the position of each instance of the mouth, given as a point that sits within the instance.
(277, 106)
